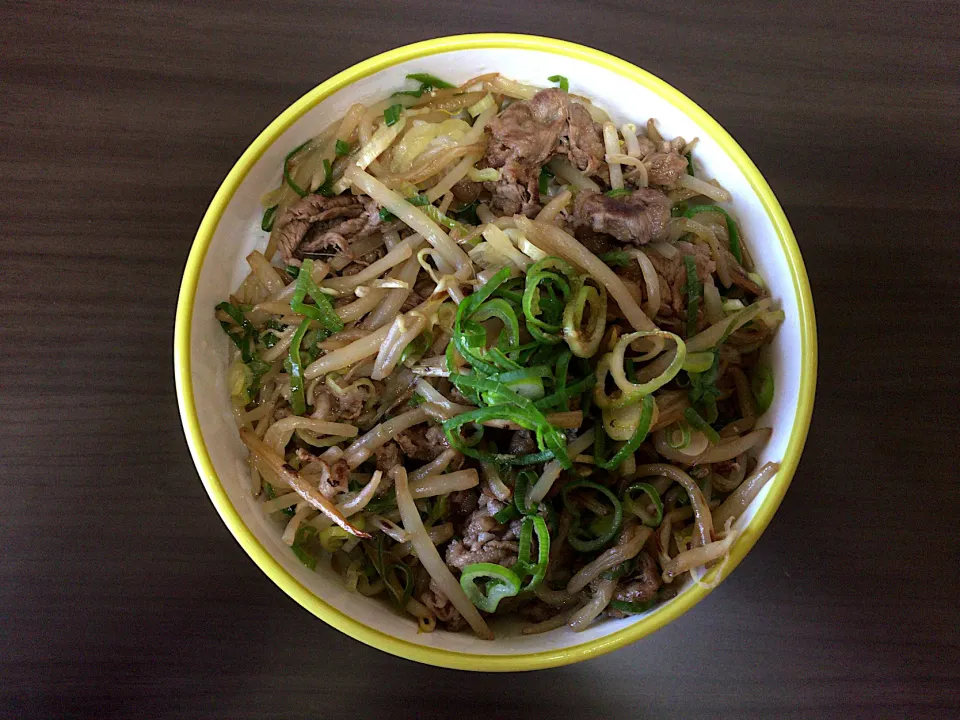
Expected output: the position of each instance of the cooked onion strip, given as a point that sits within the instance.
(630, 544)
(551, 471)
(730, 450)
(740, 499)
(562, 168)
(698, 556)
(290, 476)
(434, 467)
(602, 596)
(553, 208)
(652, 282)
(413, 217)
(442, 484)
(704, 188)
(380, 435)
(612, 143)
(704, 520)
(427, 553)
(279, 433)
(713, 334)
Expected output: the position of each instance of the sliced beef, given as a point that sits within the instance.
(527, 132)
(663, 168)
(673, 273)
(318, 225)
(482, 538)
(422, 443)
(441, 606)
(526, 135)
(739, 276)
(466, 191)
(643, 585)
(637, 218)
(387, 456)
(334, 478)
(582, 141)
(522, 442)
(339, 407)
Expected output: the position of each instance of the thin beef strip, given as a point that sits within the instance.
(334, 478)
(483, 538)
(317, 225)
(422, 443)
(441, 606)
(637, 218)
(673, 273)
(526, 135)
(642, 586)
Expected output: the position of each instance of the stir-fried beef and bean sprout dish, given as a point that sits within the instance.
(500, 356)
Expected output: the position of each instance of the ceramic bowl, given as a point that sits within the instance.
(231, 229)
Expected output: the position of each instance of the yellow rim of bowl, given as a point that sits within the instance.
(333, 616)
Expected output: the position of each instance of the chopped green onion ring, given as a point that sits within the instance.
(524, 565)
(501, 583)
(298, 401)
(693, 417)
(578, 538)
(633, 506)
(762, 385)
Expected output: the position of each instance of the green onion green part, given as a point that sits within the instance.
(561, 81)
(733, 231)
(602, 531)
(693, 417)
(500, 582)
(392, 114)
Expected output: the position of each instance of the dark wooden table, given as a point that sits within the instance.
(123, 595)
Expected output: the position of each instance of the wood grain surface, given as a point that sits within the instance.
(123, 595)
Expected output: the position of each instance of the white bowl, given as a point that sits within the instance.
(231, 229)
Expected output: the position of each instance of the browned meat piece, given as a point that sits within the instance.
(522, 442)
(517, 190)
(527, 132)
(466, 191)
(665, 168)
(387, 456)
(673, 273)
(647, 146)
(482, 539)
(333, 480)
(500, 552)
(317, 225)
(637, 218)
(526, 135)
(441, 606)
(739, 276)
(339, 407)
(583, 141)
(597, 243)
(643, 585)
(422, 443)
(463, 502)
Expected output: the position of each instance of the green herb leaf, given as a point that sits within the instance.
(703, 392)
(560, 80)
(428, 79)
(617, 192)
(616, 258)
(342, 149)
(269, 215)
(392, 114)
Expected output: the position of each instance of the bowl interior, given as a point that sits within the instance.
(633, 99)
